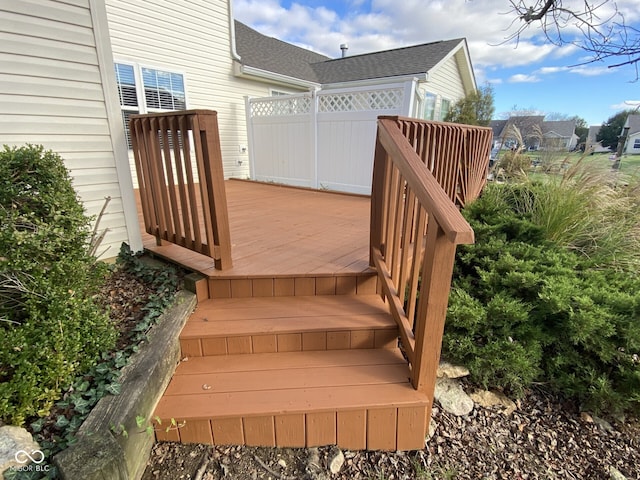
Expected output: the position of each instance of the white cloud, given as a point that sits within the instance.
(591, 70)
(625, 105)
(487, 25)
(523, 78)
(551, 70)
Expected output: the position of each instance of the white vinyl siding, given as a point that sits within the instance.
(52, 93)
(192, 38)
(443, 89)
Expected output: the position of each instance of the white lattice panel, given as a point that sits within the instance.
(372, 100)
(280, 106)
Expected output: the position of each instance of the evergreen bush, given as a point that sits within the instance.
(52, 328)
(525, 308)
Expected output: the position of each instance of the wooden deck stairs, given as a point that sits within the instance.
(294, 371)
(295, 339)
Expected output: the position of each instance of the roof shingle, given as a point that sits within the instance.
(273, 55)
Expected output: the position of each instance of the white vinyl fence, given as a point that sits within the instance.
(322, 139)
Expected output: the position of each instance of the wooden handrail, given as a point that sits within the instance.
(416, 226)
(181, 181)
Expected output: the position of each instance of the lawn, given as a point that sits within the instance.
(629, 165)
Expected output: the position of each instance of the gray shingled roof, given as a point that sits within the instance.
(497, 126)
(272, 55)
(414, 60)
(525, 123)
(633, 121)
(562, 128)
(593, 133)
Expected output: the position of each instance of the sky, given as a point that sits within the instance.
(529, 74)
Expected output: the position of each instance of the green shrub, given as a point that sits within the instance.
(526, 309)
(51, 327)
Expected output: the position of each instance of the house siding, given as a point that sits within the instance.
(446, 83)
(631, 142)
(192, 38)
(52, 93)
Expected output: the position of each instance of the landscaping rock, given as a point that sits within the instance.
(433, 426)
(603, 424)
(14, 440)
(452, 397)
(488, 399)
(336, 462)
(614, 474)
(448, 370)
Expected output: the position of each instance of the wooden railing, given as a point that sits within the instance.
(457, 155)
(181, 181)
(415, 227)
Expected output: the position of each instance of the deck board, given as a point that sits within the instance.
(277, 384)
(279, 231)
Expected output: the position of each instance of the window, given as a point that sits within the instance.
(445, 106)
(279, 93)
(429, 106)
(144, 90)
(636, 144)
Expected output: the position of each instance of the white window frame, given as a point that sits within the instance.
(636, 143)
(139, 85)
(442, 112)
(274, 92)
(429, 102)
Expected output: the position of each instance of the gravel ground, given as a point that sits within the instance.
(543, 439)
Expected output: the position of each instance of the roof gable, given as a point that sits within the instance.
(560, 128)
(633, 122)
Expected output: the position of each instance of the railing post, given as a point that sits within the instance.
(437, 270)
(214, 198)
(378, 200)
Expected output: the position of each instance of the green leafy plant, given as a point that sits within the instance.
(57, 432)
(52, 327)
(528, 306)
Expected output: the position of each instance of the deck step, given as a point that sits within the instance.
(285, 324)
(354, 398)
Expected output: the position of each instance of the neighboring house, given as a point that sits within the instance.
(534, 133)
(632, 145)
(592, 144)
(325, 138)
(443, 69)
(559, 135)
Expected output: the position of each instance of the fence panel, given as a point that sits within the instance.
(324, 139)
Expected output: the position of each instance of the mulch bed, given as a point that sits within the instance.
(545, 438)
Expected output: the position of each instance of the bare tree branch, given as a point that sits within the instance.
(601, 32)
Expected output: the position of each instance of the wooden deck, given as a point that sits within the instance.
(292, 346)
(296, 344)
(279, 232)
